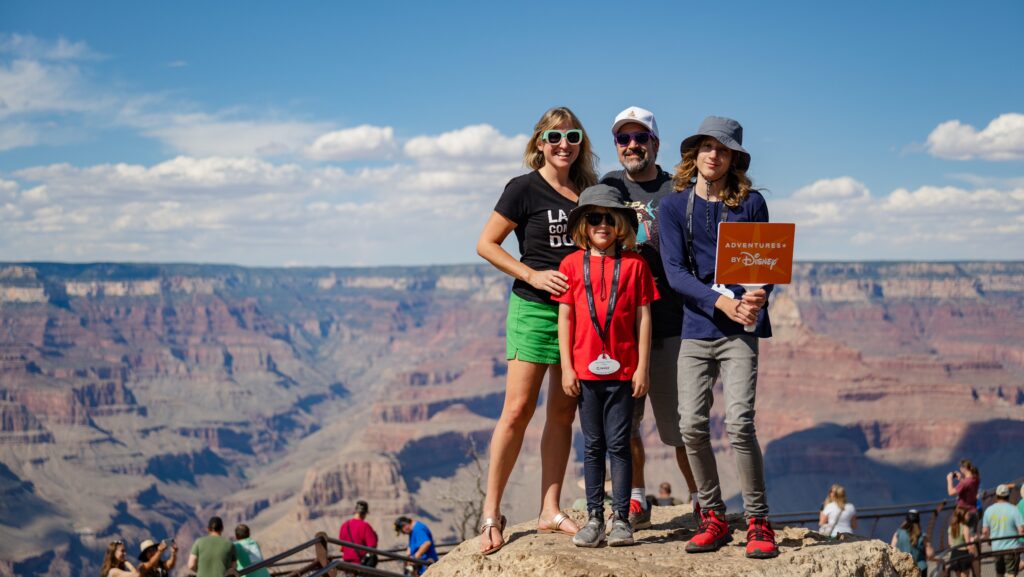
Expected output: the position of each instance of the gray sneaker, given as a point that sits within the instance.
(639, 517)
(621, 533)
(591, 534)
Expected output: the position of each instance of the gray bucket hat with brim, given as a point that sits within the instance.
(604, 196)
(725, 130)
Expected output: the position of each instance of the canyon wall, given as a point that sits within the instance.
(137, 400)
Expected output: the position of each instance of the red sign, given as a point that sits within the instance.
(754, 253)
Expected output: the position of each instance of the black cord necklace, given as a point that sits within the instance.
(707, 208)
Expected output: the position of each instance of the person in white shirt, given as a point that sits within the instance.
(837, 516)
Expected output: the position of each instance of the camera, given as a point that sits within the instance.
(956, 474)
(169, 543)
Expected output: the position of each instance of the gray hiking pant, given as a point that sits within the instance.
(701, 362)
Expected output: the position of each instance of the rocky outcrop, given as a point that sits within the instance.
(660, 552)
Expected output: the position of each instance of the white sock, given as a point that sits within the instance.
(640, 494)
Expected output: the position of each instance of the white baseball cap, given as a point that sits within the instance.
(639, 116)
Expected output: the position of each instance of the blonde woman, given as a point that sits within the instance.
(837, 516)
(535, 207)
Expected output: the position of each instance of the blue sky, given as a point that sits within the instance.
(340, 133)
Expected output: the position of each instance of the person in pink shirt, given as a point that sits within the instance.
(356, 530)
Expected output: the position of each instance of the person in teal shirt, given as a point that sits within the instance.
(1003, 520)
(248, 552)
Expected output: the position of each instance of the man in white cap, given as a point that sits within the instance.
(1003, 520)
(643, 185)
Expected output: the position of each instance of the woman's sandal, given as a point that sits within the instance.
(485, 528)
(555, 524)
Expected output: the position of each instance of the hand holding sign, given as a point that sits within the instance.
(753, 254)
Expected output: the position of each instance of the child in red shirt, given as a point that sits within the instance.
(604, 336)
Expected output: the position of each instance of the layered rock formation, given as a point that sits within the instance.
(136, 400)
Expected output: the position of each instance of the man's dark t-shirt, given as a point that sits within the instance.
(666, 312)
(542, 222)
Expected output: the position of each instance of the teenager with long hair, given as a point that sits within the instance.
(535, 207)
(713, 187)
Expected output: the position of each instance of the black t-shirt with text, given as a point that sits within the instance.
(542, 222)
(644, 197)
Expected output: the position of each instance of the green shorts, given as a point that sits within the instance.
(531, 331)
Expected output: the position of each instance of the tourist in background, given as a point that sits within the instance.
(909, 539)
(714, 187)
(665, 498)
(644, 185)
(959, 535)
(212, 555)
(421, 541)
(1002, 519)
(604, 334)
(152, 563)
(248, 552)
(356, 530)
(837, 516)
(963, 485)
(115, 562)
(535, 207)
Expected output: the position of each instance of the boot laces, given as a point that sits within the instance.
(760, 531)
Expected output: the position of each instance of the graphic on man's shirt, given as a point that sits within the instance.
(647, 233)
(558, 229)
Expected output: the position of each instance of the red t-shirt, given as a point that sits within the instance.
(636, 288)
(967, 493)
(356, 531)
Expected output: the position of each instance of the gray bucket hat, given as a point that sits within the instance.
(725, 130)
(604, 196)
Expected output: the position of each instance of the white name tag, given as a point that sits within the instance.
(723, 290)
(603, 365)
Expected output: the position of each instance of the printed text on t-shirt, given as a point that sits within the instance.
(558, 229)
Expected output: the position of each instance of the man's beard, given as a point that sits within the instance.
(636, 164)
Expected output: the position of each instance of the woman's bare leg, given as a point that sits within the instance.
(522, 387)
(555, 446)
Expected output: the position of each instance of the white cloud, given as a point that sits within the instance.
(1002, 139)
(211, 135)
(840, 219)
(31, 47)
(32, 87)
(251, 211)
(469, 144)
(177, 64)
(360, 142)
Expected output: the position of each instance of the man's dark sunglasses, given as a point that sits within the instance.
(623, 138)
(596, 218)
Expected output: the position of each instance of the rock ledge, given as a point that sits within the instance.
(659, 553)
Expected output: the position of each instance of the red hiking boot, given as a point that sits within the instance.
(713, 533)
(761, 539)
